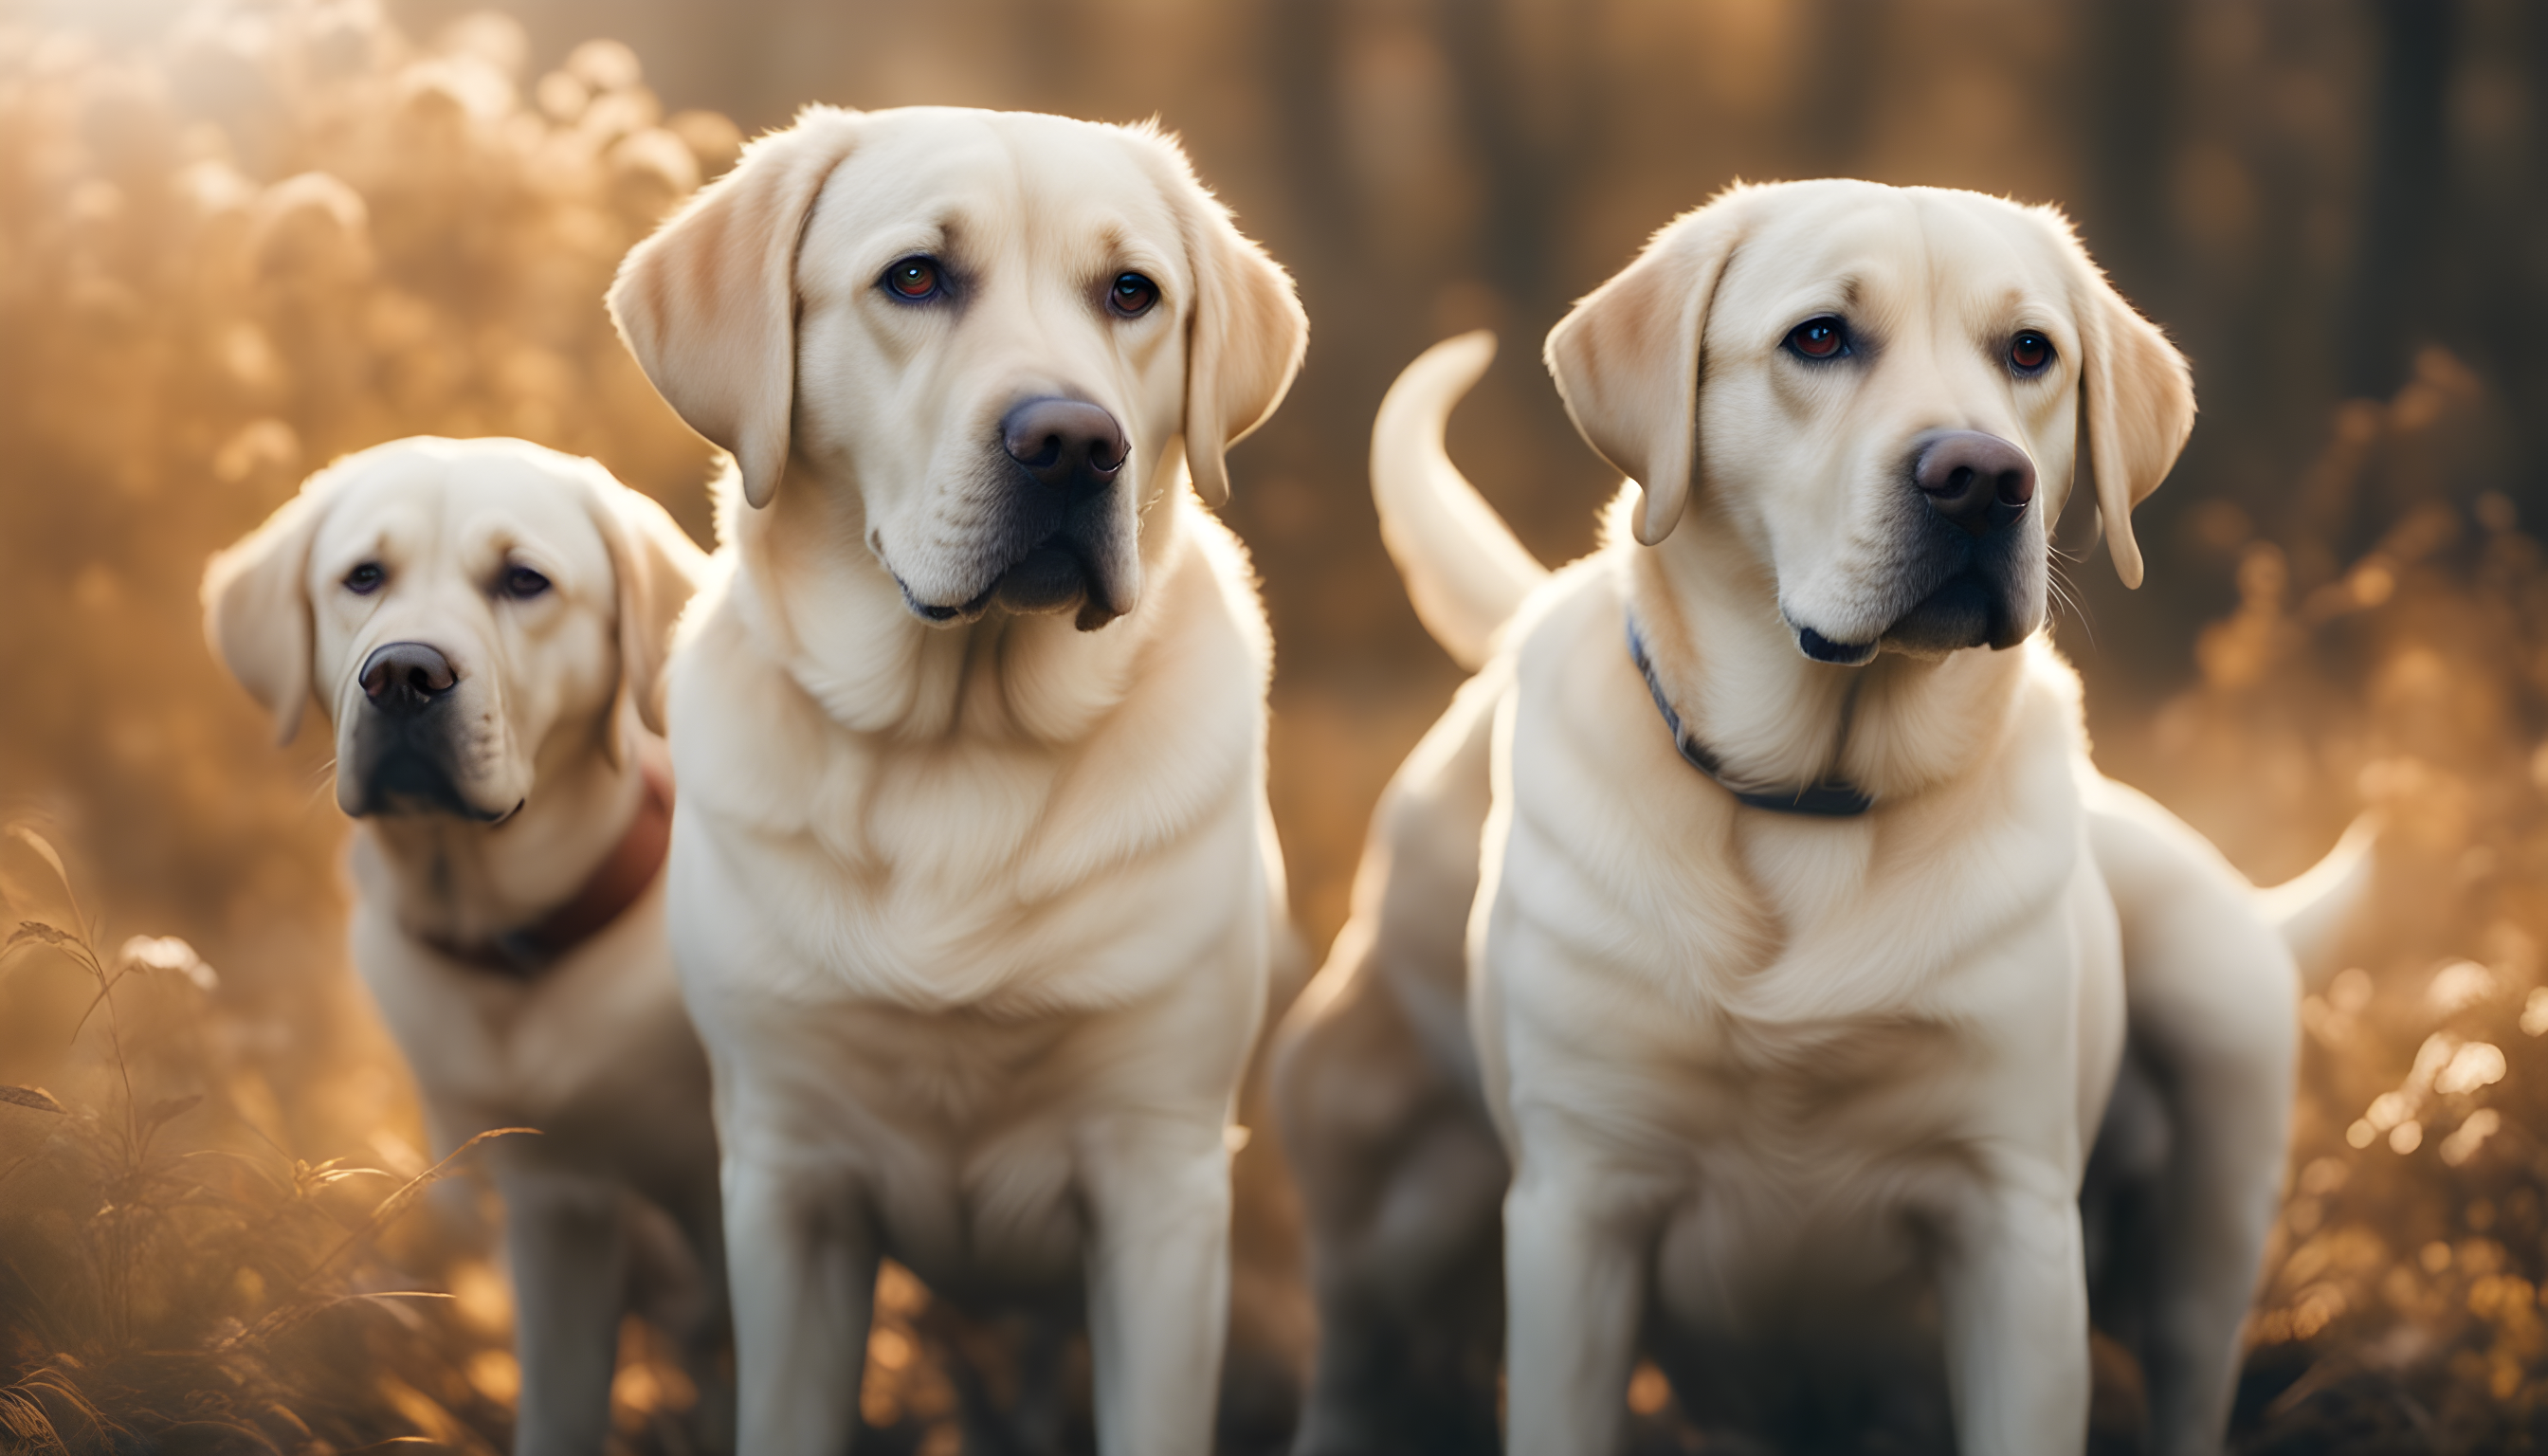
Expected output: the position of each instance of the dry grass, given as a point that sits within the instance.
(2402, 1308)
(168, 1276)
(171, 1278)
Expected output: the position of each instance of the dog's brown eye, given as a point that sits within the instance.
(1819, 338)
(1132, 295)
(2029, 352)
(520, 582)
(914, 279)
(365, 579)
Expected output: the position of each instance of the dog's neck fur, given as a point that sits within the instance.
(827, 611)
(464, 882)
(1708, 608)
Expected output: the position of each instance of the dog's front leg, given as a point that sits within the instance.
(801, 1263)
(567, 1237)
(2013, 1289)
(1574, 1271)
(1157, 1190)
(699, 1212)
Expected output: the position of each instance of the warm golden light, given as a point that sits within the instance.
(239, 239)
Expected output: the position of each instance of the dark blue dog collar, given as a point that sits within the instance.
(1832, 798)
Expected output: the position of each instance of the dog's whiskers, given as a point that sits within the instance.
(2065, 594)
(322, 784)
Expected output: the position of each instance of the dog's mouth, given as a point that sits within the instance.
(1823, 649)
(1966, 610)
(406, 780)
(1076, 565)
(1970, 608)
(1055, 575)
(933, 613)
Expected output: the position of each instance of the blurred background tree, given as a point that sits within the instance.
(2306, 193)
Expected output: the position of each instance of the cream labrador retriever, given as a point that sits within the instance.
(484, 623)
(972, 885)
(1800, 938)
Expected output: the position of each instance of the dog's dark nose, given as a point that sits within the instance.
(1979, 481)
(1064, 444)
(403, 678)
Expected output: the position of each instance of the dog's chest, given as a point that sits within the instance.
(594, 1050)
(938, 884)
(969, 871)
(1803, 1160)
(958, 1133)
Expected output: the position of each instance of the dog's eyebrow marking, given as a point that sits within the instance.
(357, 548)
(1116, 248)
(934, 235)
(2015, 303)
(1103, 249)
(2016, 308)
(1852, 289)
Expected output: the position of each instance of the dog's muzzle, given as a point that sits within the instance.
(404, 741)
(1972, 570)
(1055, 547)
(1072, 450)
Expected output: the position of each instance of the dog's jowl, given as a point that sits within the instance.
(973, 885)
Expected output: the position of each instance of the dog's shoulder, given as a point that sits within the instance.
(1579, 609)
(740, 727)
(1206, 654)
(1575, 693)
(2049, 727)
(1232, 574)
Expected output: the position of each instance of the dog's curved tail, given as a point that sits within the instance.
(1464, 570)
(2311, 910)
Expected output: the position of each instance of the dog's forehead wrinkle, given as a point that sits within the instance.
(374, 521)
(941, 236)
(996, 169)
(346, 540)
(535, 514)
(1092, 242)
(875, 226)
(1977, 256)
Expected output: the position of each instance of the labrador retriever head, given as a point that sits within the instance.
(466, 612)
(1885, 393)
(998, 332)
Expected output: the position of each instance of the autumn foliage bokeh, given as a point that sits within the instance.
(251, 236)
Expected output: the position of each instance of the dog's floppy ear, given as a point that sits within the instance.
(1243, 341)
(257, 606)
(709, 304)
(1627, 360)
(657, 569)
(2136, 408)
